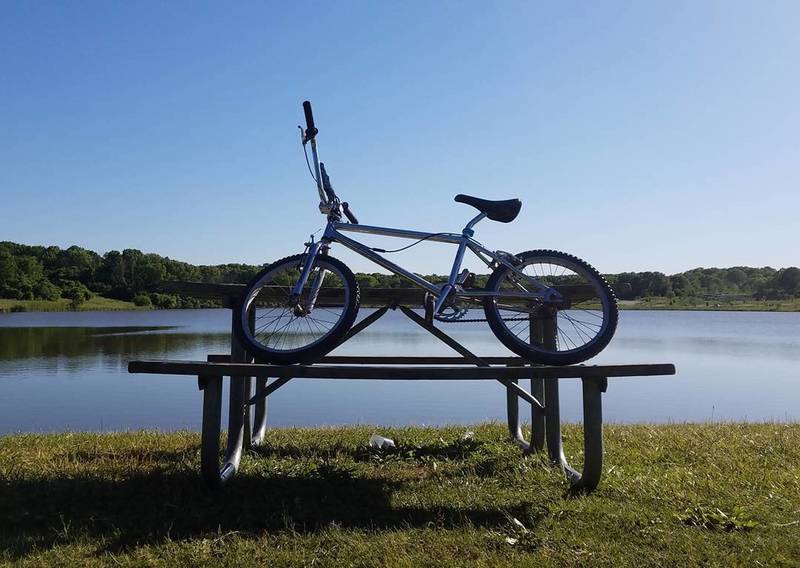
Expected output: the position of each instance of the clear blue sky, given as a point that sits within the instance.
(640, 135)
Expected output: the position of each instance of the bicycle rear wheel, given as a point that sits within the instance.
(298, 329)
(552, 333)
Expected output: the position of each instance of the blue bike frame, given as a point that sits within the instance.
(443, 292)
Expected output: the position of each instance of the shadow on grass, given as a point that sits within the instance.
(457, 449)
(141, 509)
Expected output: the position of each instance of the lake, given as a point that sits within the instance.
(67, 371)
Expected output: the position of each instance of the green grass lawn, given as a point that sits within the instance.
(721, 494)
(661, 303)
(96, 303)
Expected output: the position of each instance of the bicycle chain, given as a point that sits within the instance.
(477, 320)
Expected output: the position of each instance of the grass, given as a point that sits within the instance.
(700, 304)
(96, 303)
(710, 494)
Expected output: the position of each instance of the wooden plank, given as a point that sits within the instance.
(202, 289)
(369, 296)
(195, 368)
(379, 360)
(398, 360)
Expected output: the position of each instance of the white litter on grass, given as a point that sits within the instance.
(380, 443)
(468, 435)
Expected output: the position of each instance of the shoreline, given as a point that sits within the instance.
(37, 306)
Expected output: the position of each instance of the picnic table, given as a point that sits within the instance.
(251, 383)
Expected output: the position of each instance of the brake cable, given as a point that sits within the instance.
(425, 238)
(308, 164)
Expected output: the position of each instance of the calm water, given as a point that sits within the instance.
(68, 371)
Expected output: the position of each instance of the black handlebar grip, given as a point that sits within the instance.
(311, 130)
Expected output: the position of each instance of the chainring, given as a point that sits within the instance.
(451, 314)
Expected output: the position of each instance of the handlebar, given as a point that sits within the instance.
(328, 200)
(311, 130)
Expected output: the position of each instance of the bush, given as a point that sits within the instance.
(165, 301)
(142, 300)
(76, 292)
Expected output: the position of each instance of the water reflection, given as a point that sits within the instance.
(53, 349)
(737, 348)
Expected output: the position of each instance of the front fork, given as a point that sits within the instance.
(314, 250)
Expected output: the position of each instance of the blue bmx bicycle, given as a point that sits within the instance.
(304, 305)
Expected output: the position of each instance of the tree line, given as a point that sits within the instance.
(49, 273)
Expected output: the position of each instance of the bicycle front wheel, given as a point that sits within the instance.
(564, 332)
(287, 328)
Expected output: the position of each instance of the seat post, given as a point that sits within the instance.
(467, 231)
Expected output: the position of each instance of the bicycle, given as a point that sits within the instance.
(299, 308)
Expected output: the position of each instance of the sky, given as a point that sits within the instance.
(639, 135)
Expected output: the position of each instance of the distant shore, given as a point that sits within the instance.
(96, 303)
(701, 304)
(99, 303)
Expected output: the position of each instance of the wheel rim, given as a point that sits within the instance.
(284, 324)
(577, 324)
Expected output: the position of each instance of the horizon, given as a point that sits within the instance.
(639, 137)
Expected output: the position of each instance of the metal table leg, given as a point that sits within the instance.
(546, 423)
(537, 416)
(217, 475)
(593, 390)
(512, 414)
(259, 416)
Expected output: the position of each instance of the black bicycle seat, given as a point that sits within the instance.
(504, 211)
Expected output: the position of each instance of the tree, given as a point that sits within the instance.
(789, 280)
(736, 276)
(711, 283)
(78, 264)
(8, 275)
(111, 275)
(46, 290)
(680, 284)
